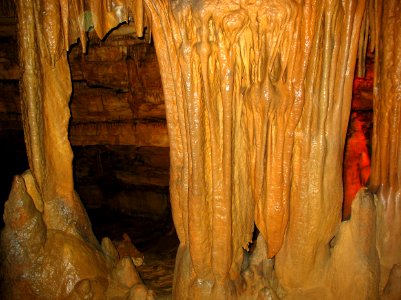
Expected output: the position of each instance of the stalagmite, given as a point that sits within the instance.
(258, 96)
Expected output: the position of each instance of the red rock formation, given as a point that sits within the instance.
(356, 163)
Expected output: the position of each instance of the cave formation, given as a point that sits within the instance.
(258, 98)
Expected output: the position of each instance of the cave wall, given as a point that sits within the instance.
(257, 96)
(43, 212)
(118, 126)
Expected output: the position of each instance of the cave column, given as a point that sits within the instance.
(45, 93)
(257, 97)
(47, 246)
(316, 188)
(46, 30)
(386, 160)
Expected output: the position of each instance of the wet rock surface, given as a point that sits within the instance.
(156, 240)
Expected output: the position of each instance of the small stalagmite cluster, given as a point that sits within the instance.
(258, 97)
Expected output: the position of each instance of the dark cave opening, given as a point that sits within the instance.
(135, 217)
(358, 151)
(120, 143)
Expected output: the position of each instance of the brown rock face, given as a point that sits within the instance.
(42, 263)
(257, 97)
(51, 261)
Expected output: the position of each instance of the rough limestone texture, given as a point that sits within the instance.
(257, 101)
(42, 263)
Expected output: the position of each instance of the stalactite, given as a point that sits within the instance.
(45, 34)
(68, 20)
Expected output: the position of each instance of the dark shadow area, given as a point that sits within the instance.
(125, 192)
(118, 134)
(13, 161)
(357, 152)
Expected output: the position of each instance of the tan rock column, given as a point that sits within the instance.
(46, 30)
(257, 97)
(47, 246)
(197, 67)
(386, 160)
(316, 187)
(45, 91)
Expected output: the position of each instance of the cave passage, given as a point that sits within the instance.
(121, 153)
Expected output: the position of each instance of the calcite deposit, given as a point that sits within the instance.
(385, 180)
(257, 97)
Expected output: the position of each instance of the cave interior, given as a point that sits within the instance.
(121, 164)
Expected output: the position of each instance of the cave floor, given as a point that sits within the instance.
(155, 239)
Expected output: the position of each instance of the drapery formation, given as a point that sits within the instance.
(386, 159)
(316, 187)
(257, 98)
(46, 89)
